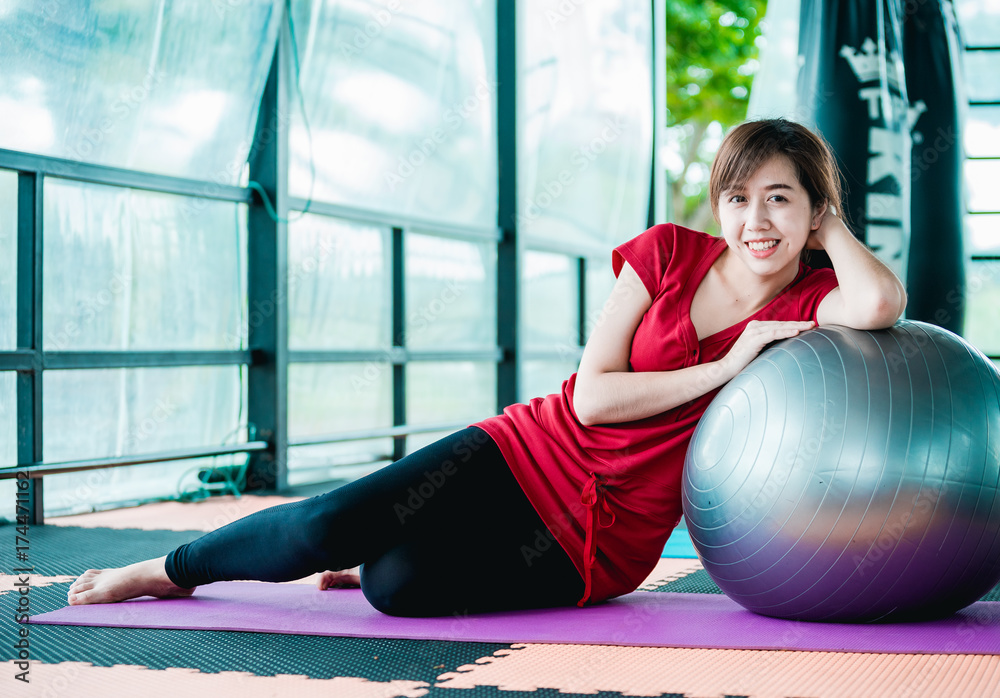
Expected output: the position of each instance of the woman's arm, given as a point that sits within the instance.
(607, 392)
(869, 297)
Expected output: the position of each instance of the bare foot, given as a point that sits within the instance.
(340, 580)
(146, 578)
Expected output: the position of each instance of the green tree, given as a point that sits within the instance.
(711, 60)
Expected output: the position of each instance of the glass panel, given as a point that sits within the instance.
(127, 269)
(983, 234)
(327, 463)
(981, 69)
(162, 87)
(400, 99)
(451, 297)
(978, 21)
(982, 313)
(416, 442)
(8, 260)
(982, 180)
(540, 378)
(339, 278)
(94, 490)
(107, 413)
(585, 119)
(982, 132)
(443, 392)
(113, 412)
(600, 280)
(337, 397)
(8, 443)
(8, 502)
(550, 303)
(439, 392)
(8, 418)
(331, 398)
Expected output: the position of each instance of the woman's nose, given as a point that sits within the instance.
(757, 218)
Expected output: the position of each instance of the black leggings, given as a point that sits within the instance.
(445, 530)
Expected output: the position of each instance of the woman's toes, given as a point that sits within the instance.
(81, 584)
(86, 577)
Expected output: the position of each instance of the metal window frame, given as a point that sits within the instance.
(982, 258)
(267, 355)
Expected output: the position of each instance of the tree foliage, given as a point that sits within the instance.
(711, 60)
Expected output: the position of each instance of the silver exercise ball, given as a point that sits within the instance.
(847, 475)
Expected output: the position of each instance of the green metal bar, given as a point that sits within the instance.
(36, 470)
(117, 177)
(399, 338)
(365, 434)
(508, 253)
(581, 300)
(267, 284)
(386, 218)
(29, 339)
(18, 360)
(653, 83)
(141, 359)
(575, 248)
(562, 354)
(658, 56)
(393, 355)
(492, 354)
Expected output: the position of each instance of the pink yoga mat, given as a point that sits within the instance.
(655, 619)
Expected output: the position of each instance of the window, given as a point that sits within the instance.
(979, 26)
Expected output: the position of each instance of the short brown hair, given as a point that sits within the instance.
(751, 144)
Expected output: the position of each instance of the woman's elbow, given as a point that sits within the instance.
(891, 305)
(586, 406)
(585, 410)
(881, 312)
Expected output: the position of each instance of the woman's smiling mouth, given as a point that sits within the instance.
(762, 248)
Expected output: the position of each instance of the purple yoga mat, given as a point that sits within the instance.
(656, 619)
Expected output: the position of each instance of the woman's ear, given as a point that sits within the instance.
(818, 214)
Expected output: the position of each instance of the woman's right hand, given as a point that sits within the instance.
(757, 335)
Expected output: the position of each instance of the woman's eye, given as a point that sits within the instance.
(779, 197)
(737, 199)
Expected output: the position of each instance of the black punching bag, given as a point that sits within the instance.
(851, 88)
(936, 269)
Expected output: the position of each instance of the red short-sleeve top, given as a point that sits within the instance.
(610, 494)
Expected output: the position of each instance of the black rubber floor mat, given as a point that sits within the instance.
(494, 692)
(700, 582)
(57, 550)
(695, 583)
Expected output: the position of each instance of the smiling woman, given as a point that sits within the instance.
(775, 191)
(595, 468)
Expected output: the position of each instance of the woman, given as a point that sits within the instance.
(570, 498)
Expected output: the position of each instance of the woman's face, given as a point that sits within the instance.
(767, 221)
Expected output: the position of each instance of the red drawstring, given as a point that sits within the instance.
(592, 497)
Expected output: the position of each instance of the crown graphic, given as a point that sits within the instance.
(865, 63)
